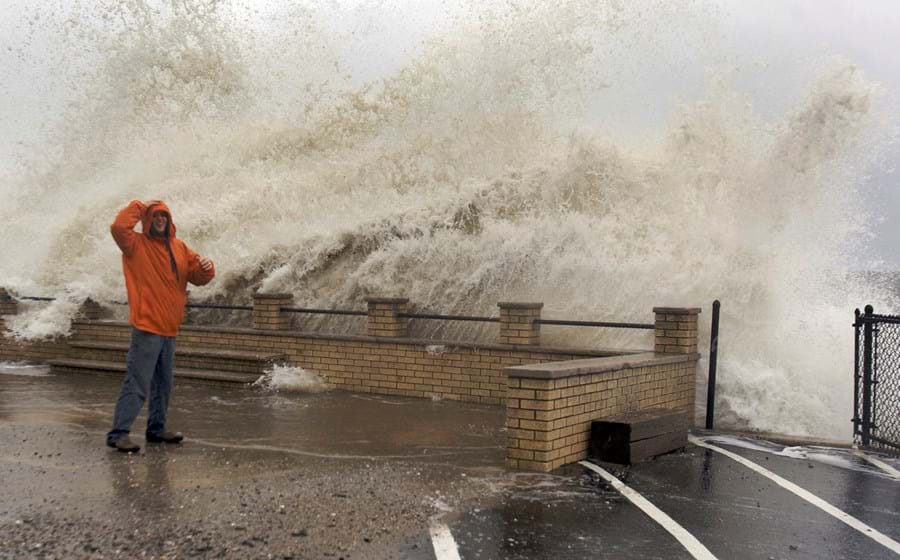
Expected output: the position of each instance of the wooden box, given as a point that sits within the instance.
(630, 438)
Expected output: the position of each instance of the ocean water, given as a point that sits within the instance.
(487, 161)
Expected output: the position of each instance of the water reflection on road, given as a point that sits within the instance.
(348, 475)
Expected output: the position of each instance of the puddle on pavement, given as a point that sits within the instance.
(291, 417)
(254, 439)
(23, 369)
(833, 456)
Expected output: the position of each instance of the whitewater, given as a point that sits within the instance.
(471, 171)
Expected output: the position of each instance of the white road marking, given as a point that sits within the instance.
(686, 539)
(874, 534)
(878, 463)
(442, 540)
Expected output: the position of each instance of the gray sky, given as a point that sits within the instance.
(864, 32)
(775, 47)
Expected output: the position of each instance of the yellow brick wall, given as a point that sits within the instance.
(457, 371)
(548, 421)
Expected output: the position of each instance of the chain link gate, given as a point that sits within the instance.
(876, 389)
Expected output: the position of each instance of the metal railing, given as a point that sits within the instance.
(226, 307)
(449, 317)
(325, 311)
(356, 313)
(114, 302)
(649, 326)
(564, 322)
(713, 356)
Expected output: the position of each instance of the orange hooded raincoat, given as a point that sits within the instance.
(157, 269)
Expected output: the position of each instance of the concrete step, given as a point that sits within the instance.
(187, 351)
(118, 368)
(237, 361)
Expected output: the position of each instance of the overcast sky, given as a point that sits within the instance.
(787, 39)
(866, 33)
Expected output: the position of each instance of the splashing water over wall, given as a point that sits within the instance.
(459, 179)
(292, 380)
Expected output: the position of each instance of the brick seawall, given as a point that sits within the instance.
(409, 367)
(552, 394)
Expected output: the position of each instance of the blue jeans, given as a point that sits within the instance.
(149, 372)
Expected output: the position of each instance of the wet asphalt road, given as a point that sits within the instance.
(336, 475)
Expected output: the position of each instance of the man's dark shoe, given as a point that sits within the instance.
(125, 445)
(166, 437)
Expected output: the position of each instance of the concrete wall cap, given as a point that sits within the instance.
(520, 305)
(677, 310)
(259, 295)
(573, 368)
(387, 300)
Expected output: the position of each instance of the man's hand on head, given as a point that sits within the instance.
(205, 264)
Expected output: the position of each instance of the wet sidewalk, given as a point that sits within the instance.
(337, 475)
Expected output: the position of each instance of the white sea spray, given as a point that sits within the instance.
(461, 177)
(291, 379)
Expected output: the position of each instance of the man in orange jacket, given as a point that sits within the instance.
(157, 268)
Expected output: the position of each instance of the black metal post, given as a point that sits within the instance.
(867, 376)
(856, 374)
(713, 354)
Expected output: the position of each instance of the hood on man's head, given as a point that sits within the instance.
(147, 217)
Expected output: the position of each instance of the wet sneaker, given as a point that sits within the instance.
(125, 445)
(166, 437)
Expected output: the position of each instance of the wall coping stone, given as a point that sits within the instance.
(272, 296)
(572, 368)
(383, 340)
(520, 304)
(677, 310)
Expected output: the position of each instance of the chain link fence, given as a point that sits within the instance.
(876, 418)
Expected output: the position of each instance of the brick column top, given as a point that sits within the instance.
(8, 305)
(676, 330)
(384, 317)
(89, 310)
(677, 310)
(520, 323)
(259, 295)
(520, 305)
(267, 313)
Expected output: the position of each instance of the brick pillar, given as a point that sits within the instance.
(8, 306)
(186, 316)
(267, 314)
(676, 330)
(89, 310)
(383, 317)
(518, 324)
